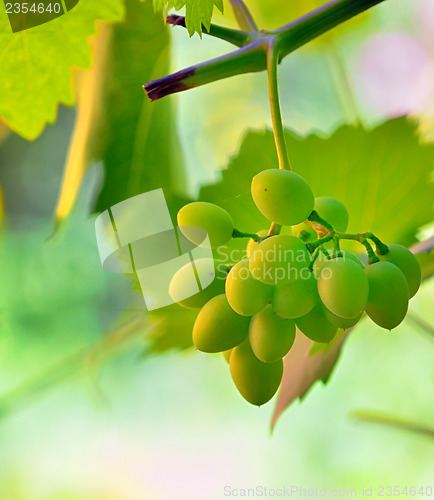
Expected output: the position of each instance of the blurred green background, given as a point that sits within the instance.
(91, 415)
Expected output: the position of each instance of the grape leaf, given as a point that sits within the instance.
(303, 368)
(36, 64)
(198, 12)
(136, 140)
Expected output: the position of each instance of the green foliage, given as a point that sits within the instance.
(36, 65)
(367, 170)
(197, 12)
(135, 139)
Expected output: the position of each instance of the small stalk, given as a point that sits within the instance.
(244, 17)
(318, 243)
(276, 114)
(274, 229)
(240, 234)
(315, 217)
(314, 258)
(235, 37)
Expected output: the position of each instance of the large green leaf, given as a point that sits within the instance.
(383, 176)
(136, 139)
(36, 64)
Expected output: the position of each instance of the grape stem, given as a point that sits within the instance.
(241, 234)
(314, 258)
(332, 235)
(251, 57)
(243, 16)
(276, 114)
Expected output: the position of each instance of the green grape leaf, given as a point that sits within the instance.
(198, 13)
(302, 369)
(137, 140)
(171, 328)
(36, 64)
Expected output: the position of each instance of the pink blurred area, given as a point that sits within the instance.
(396, 71)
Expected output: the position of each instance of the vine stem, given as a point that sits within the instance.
(276, 114)
(244, 17)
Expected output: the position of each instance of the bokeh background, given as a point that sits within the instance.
(82, 418)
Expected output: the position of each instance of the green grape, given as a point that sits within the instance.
(184, 282)
(388, 294)
(246, 295)
(278, 260)
(343, 287)
(227, 354)
(332, 211)
(344, 254)
(271, 337)
(407, 262)
(256, 381)
(316, 326)
(343, 323)
(252, 243)
(214, 219)
(218, 327)
(297, 298)
(282, 196)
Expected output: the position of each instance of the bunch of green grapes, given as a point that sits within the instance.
(303, 281)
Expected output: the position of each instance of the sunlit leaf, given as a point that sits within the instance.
(36, 65)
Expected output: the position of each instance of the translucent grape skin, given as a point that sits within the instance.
(214, 219)
(333, 211)
(218, 327)
(388, 294)
(246, 295)
(344, 254)
(343, 323)
(256, 381)
(343, 287)
(271, 337)
(316, 326)
(252, 243)
(278, 260)
(184, 279)
(297, 298)
(282, 196)
(407, 263)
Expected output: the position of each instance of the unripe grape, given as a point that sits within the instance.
(297, 298)
(256, 381)
(282, 196)
(278, 260)
(218, 327)
(252, 243)
(271, 337)
(344, 254)
(246, 295)
(214, 219)
(332, 211)
(227, 354)
(407, 263)
(316, 326)
(343, 287)
(343, 323)
(304, 228)
(388, 294)
(184, 282)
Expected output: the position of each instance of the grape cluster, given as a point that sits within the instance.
(300, 280)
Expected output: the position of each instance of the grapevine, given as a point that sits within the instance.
(295, 273)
